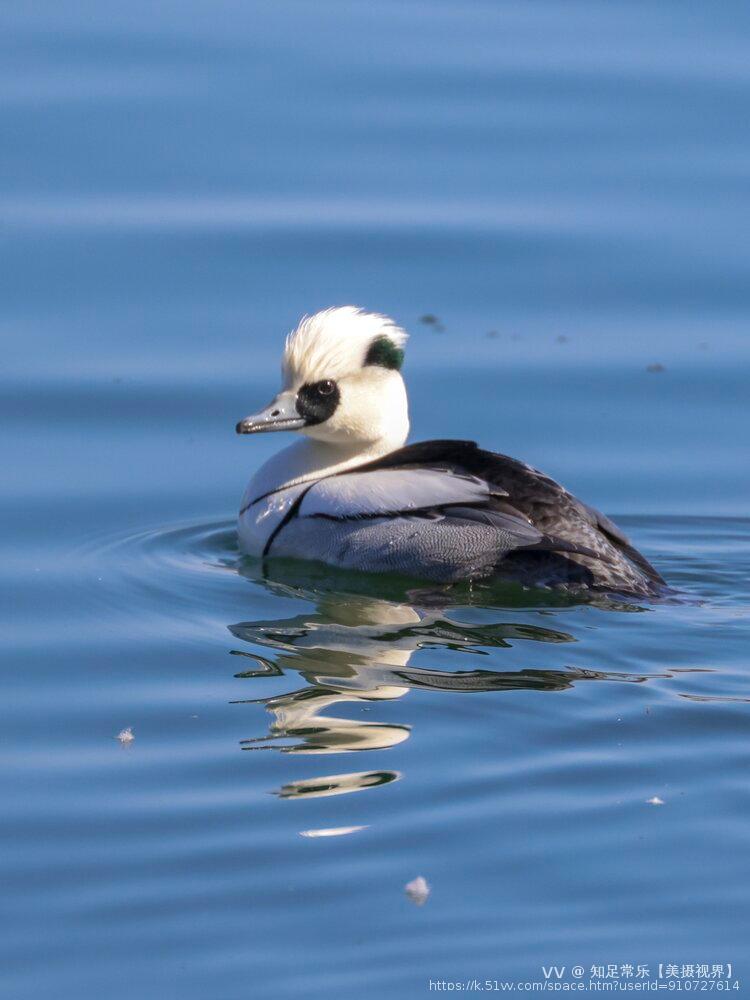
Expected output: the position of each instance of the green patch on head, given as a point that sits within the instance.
(384, 353)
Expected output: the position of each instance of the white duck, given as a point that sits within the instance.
(351, 495)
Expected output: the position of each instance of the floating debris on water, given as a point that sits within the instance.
(429, 319)
(418, 890)
(655, 368)
(655, 801)
(333, 831)
(125, 736)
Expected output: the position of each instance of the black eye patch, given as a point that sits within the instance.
(384, 353)
(317, 401)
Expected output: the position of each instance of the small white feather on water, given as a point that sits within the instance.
(418, 890)
(125, 736)
(333, 831)
(655, 801)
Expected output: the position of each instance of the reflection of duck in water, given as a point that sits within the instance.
(345, 660)
(351, 495)
(357, 649)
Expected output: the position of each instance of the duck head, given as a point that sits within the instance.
(341, 382)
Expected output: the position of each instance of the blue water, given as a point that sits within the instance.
(564, 185)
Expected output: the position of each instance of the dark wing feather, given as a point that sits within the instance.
(621, 541)
(565, 523)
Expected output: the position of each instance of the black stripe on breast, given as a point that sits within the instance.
(264, 496)
(291, 513)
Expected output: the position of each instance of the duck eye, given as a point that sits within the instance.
(317, 401)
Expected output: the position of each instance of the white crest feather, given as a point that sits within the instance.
(334, 343)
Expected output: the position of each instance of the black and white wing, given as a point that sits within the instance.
(578, 544)
(379, 492)
(446, 522)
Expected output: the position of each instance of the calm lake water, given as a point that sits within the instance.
(564, 186)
